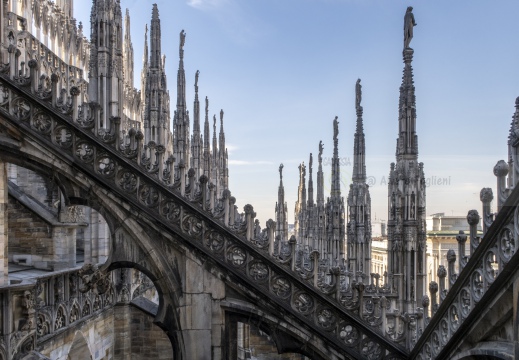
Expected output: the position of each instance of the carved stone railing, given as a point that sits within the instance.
(144, 179)
(494, 259)
(44, 306)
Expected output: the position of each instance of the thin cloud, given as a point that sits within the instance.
(245, 163)
(231, 148)
(206, 4)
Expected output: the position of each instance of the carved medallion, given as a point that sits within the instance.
(127, 181)
(236, 256)
(85, 152)
(281, 287)
(63, 137)
(258, 271)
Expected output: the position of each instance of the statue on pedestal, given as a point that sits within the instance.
(409, 24)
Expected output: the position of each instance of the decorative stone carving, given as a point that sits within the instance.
(85, 152)
(171, 211)
(326, 319)
(42, 123)
(127, 181)
(93, 279)
(105, 165)
(258, 271)
(349, 334)
(86, 309)
(21, 109)
(74, 313)
(214, 241)
(27, 322)
(42, 325)
(507, 244)
(281, 287)
(236, 256)
(148, 195)
(63, 137)
(60, 320)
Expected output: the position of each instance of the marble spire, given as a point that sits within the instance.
(358, 232)
(207, 147)
(281, 213)
(156, 96)
(359, 147)
(406, 195)
(407, 144)
(181, 123)
(128, 52)
(105, 80)
(196, 138)
(336, 170)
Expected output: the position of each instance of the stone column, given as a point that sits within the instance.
(461, 238)
(486, 198)
(122, 332)
(501, 171)
(442, 273)
(3, 223)
(425, 304)
(451, 260)
(473, 220)
(433, 289)
(64, 239)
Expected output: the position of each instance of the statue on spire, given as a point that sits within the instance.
(281, 172)
(310, 163)
(221, 117)
(409, 24)
(335, 128)
(182, 42)
(320, 150)
(358, 94)
(196, 80)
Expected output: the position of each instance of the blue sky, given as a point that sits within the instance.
(283, 69)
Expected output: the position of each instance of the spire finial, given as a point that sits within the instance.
(335, 128)
(409, 24)
(196, 81)
(214, 121)
(358, 94)
(182, 43)
(281, 172)
(221, 117)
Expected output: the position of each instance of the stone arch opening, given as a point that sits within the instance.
(76, 191)
(251, 332)
(46, 231)
(79, 349)
(138, 303)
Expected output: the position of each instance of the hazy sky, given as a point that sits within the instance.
(283, 69)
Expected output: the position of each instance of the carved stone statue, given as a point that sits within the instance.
(335, 128)
(182, 40)
(281, 171)
(409, 24)
(196, 77)
(320, 149)
(358, 93)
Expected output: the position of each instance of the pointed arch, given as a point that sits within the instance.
(79, 349)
